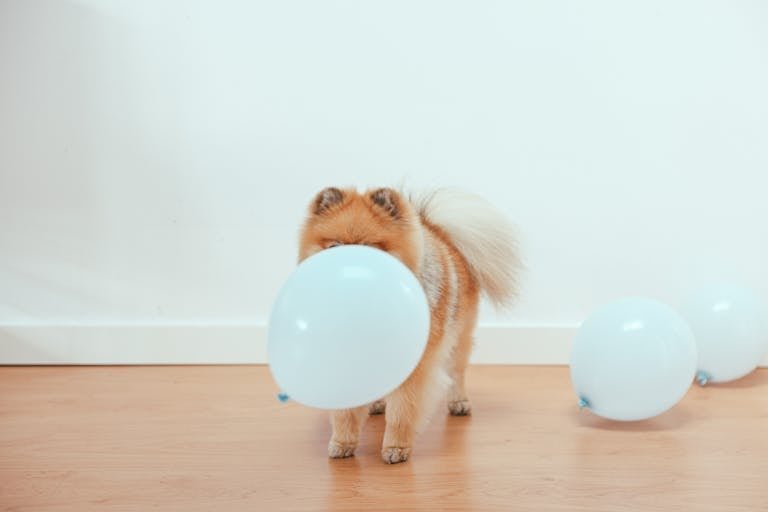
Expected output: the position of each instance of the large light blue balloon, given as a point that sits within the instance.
(348, 327)
(632, 359)
(730, 323)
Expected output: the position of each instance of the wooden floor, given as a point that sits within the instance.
(215, 438)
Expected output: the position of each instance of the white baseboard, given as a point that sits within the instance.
(237, 344)
(233, 344)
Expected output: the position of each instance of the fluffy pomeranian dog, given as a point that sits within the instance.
(458, 246)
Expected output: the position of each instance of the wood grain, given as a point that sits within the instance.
(200, 438)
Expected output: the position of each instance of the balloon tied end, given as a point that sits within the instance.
(703, 378)
(583, 403)
(283, 397)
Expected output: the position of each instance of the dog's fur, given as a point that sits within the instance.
(458, 246)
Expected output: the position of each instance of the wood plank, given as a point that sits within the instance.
(197, 438)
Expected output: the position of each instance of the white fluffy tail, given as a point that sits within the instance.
(482, 234)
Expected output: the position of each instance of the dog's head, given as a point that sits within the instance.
(380, 218)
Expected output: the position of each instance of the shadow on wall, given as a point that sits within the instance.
(20, 347)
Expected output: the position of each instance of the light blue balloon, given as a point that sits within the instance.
(730, 323)
(632, 359)
(349, 326)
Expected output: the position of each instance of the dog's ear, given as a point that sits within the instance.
(388, 200)
(327, 199)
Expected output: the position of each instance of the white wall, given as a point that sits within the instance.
(156, 157)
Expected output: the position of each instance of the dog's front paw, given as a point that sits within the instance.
(460, 407)
(395, 454)
(338, 450)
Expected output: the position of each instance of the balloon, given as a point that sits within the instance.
(632, 359)
(348, 327)
(730, 324)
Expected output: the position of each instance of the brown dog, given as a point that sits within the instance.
(457, 245)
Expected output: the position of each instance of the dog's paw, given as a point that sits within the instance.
(395, 454)
(340, 450)
(460, 407)
(377, 407)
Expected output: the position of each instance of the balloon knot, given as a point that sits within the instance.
(283, 397)
(583, 403)
(703, 378)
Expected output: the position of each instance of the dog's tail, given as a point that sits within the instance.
(482, 234)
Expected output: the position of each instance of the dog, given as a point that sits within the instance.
(458, 246)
